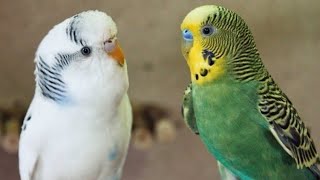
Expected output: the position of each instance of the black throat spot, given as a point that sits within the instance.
(208, 56)
(203, 72)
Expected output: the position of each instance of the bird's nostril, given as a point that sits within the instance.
(108, 41)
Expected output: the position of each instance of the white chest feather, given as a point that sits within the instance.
(76, 143)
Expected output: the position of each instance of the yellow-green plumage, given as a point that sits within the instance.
(242, 116)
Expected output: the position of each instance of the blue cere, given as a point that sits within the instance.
(187, 35)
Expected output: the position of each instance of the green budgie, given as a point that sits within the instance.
(244, 119)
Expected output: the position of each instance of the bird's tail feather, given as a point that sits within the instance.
(315, 170)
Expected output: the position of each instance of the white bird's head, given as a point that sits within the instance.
(80, 61)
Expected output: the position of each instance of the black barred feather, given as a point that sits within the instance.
(283, 117)
(72, 31)
(50, 81)
(49, 78)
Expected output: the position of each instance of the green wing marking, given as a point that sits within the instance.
(187, 110)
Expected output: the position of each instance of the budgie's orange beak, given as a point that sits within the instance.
(116, 53)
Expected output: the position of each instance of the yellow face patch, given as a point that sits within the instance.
(204, 70)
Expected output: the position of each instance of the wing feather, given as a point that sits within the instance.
(28, 157)
(286, 125)
(187, 110)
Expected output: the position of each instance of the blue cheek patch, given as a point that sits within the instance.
(113, 155)
(187, 35)
(116, 177)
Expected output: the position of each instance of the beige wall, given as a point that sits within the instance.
(287, 33)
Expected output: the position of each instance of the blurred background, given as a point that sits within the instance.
(287, 33)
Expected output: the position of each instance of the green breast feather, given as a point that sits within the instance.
(235, 127)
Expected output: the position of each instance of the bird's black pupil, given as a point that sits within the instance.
(86, 51)
(206, 30)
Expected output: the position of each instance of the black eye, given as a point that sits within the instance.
(86, 51)
(207, 30)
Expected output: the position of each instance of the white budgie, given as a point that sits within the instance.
(79, 122)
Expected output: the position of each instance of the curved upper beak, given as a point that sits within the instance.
(116, 53)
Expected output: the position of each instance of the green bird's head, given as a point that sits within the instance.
(215, 42)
